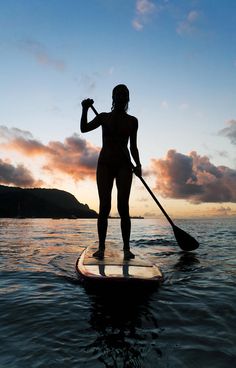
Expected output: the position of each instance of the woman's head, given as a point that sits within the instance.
(120, 97)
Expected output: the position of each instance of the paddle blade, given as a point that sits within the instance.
(185, 241)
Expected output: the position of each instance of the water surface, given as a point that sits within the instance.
(50, 319)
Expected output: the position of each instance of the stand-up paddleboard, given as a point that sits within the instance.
(113, 268)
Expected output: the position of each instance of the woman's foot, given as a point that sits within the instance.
(99, 254)
(128, 255)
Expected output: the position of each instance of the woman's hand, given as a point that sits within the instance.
(138, 170)
(87, 103)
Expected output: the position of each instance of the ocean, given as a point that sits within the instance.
(50, 319)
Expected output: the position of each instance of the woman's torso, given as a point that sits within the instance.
(116, 131)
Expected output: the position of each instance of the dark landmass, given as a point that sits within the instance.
(41, 203)
(132, 217)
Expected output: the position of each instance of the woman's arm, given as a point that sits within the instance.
(134, 149)
(93, 124)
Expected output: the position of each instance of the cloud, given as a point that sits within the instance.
(41, 54)
(111, 70)
(149, 214)
(16, 175)
(144, 7)
(222, 211)
(230, 131)
(137, 24)
(6, 133)
(194, 178)
(188, 25)
(183, 106)
(164, 104)
(223, 154)
(75, 156)
(144, 10)
(20, 140)
(88, 82)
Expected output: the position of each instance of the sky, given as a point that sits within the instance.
(178, 59)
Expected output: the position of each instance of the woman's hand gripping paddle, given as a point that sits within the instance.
(184, 240)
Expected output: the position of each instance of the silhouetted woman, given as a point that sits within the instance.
(118, 128)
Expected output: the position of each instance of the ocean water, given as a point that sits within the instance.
(50, 319)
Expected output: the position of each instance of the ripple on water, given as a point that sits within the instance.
(49, 319)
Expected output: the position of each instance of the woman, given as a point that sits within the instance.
(118, 128)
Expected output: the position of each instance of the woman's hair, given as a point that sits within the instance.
(120, 98)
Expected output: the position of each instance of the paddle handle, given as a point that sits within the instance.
(94, 110)
(143, 181)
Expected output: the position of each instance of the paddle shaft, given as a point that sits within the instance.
(143, 181)
(156, 200)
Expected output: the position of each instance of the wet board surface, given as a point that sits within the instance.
(114, 268)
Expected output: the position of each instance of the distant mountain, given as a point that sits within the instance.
(41, 203)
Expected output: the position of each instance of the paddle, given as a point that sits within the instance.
(184, 240)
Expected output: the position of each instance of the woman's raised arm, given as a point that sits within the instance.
(86, 126)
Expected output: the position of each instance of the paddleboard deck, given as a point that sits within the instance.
(114, 268)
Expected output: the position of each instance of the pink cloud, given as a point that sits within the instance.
(17, 175)
(194, 178)
(75, 156)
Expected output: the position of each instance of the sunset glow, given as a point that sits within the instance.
(178, 60)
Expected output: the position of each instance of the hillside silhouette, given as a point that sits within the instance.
(41, 203)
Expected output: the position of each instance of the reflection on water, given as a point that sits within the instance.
(122, 337)
(187, 262)
(50, 318)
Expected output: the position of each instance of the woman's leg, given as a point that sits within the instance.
(123, 182)
(105, 180)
